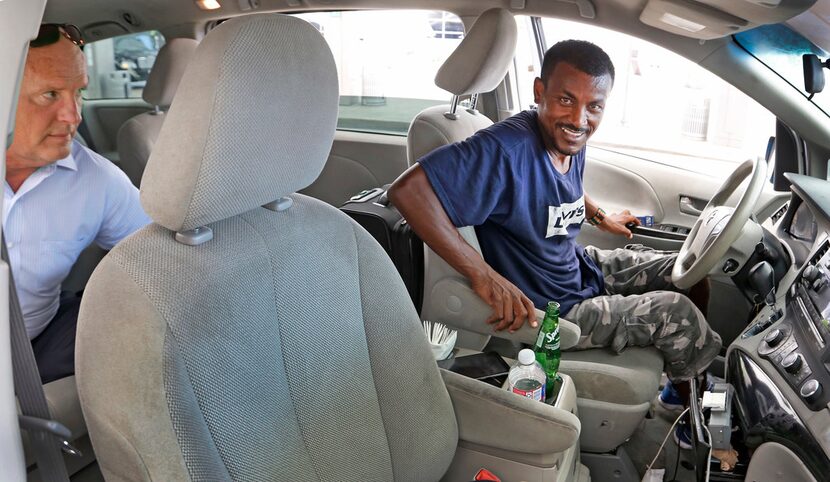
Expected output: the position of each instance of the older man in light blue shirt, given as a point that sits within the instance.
(59, 196)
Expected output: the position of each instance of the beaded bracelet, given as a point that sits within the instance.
(597, 218)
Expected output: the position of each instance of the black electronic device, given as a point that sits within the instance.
(488, 367)
(373, 211)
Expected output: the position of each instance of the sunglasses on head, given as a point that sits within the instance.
(50, 33)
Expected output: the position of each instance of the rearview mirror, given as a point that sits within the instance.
(814, 73)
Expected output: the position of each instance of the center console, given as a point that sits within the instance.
(799, 347)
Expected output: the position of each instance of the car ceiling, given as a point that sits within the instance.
(106, 18)
(182, 18)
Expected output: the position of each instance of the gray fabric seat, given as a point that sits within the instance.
(614, 391)
(137, 136)
(254, 334)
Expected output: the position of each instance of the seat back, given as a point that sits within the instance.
(250, 333)
(137, 136)
(477, 65)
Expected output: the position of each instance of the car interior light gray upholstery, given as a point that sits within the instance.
(477, 65)
(286, 347)
(613, 390)
(137, 136)
(431, 129)
(482, 59)
(493, 417)
(167, 72)
(205, 175)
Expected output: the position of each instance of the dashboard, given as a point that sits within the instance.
(780, 365)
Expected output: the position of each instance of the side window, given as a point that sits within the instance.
(664, 107)
(386, 64)
(118, 67)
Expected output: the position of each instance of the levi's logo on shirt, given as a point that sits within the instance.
(560, 217)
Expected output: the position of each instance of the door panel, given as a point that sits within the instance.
(358, 161)
(104, 117)
(616, 181)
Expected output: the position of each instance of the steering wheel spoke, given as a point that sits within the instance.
(718, 225)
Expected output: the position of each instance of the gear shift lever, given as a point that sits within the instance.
(762, 280)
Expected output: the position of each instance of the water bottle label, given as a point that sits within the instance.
(530, 388)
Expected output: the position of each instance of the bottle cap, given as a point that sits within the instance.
(526, 356)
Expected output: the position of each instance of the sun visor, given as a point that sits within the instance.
(708, 19)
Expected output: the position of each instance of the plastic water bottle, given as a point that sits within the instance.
(527, 378)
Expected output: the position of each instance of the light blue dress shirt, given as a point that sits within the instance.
(57, 212)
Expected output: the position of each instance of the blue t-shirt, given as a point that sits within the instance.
(526, 213)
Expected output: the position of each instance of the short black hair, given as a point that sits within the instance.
(582, 54)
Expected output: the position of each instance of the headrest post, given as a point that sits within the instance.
(473, 104)
(451, 115)
(195, 236)
(280, 204)
(156, 110)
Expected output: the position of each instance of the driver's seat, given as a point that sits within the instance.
(614, 390)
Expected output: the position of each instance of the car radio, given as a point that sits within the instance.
(798, 346)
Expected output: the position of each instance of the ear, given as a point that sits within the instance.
(538, 90)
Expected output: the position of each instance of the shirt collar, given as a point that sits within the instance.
(68, 161)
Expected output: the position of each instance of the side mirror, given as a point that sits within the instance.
(814, 73)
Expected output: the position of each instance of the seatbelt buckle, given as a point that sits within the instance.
(51, 427)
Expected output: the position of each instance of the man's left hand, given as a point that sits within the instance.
(615, 223)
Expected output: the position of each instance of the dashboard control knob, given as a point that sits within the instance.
(811, 390)
(792, 362)
(774, 337)
(810, 273)
(818, 284)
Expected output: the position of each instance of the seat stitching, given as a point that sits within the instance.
(282, 345)
(380, 410)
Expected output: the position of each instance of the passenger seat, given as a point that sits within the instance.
(137, 136)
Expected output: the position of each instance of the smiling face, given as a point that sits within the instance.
(49, 106)
(570, 106)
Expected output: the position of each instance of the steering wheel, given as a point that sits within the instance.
(718, 226)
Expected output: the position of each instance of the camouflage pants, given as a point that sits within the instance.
(642, 307)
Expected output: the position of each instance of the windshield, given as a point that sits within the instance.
(780, 48)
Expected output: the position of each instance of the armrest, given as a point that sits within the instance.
(455, 304)
(497, 418)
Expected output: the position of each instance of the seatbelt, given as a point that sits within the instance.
(83, 130)
(46, 435)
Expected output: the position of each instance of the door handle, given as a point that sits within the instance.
(687, 205)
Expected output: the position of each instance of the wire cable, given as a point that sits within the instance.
(648, 467)
(709, 460)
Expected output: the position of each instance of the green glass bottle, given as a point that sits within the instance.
(547, 346)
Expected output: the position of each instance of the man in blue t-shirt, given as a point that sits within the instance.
(519, 182)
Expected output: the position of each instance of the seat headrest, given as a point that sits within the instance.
(254, 120)
(167, 71)
(483, 57)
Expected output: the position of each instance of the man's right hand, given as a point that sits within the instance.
(510, 306)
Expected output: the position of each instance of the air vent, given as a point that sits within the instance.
(821, 252)
(779, 214)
